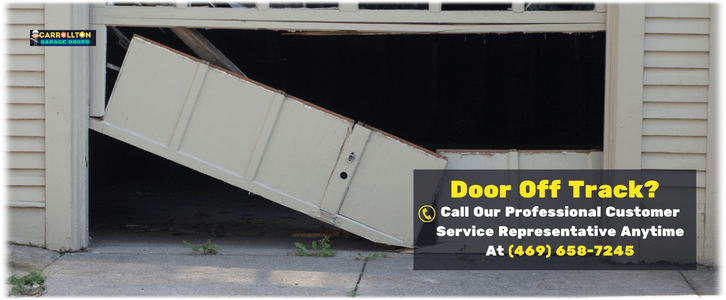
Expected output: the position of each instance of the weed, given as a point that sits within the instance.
(354, 292)
(324, 248)
(31, 284)
(371, 256)
(207, 248)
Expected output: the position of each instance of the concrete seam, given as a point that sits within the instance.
(689, 284)
(50, 264)
(360, 276)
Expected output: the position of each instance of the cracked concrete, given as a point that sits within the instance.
(252, 271)
(22, 259)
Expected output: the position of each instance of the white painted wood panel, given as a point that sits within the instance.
(700, 195)
(25, 78)
(26, 193)
(667, 127)
(21, 32)
(26, 5)
(675, 42)
(26, 127)
(348, 6)
(658, 76)
(711, 228)
(25, 62)
(109, 14)
(673, 144)
(624, 86)
(665, 161)
(701, 179)
(27, 226)
(677, 26)
(97, 73)
(25, 144)
(675, 110)
(687, 60)
(226, 106)
(26, 160)
(25, 16)
(652, 93)
(476, 159)
(362, 27)
(22, 47)
(559, 160)
(690, 10)
(354, 146)
(500, 159)
(383, 180)
(435, 6)
(25, 111)
(258, 139)
(145, 100)
(67, 143)
(302, 151)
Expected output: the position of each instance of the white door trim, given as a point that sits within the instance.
(66, 132)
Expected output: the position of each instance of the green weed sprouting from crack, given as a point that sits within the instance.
(31, 284)
(324, 248)
(207, 248)
(365, 259)
(371, 256)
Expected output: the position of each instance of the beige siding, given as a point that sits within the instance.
(656, 93)
(672, 127)
(671, 26)
(27, 225)
(34, 62)
(27, 95)
(676, 94)
(25, 114)
(676, 11)
(676, 42)
(33, 16)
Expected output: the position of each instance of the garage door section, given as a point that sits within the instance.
(277, 146)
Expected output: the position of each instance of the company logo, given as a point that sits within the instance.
(62, 38)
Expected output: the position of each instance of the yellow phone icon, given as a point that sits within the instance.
(424, 215)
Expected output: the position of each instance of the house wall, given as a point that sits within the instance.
(676, 96)
(25, 105)
(675, 130)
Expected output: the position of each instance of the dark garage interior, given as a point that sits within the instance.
(441, 91)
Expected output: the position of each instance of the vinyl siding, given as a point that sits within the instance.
(25, 114)
(675, 93)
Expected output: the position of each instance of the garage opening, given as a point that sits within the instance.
(474, 91)
(460, 91)
(138, 198)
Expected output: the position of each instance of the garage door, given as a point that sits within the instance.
(287, 150)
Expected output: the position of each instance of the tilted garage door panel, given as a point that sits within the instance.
(226, 121)
(259, 139)
(382, 187)
(302, 151)
(155, 87)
